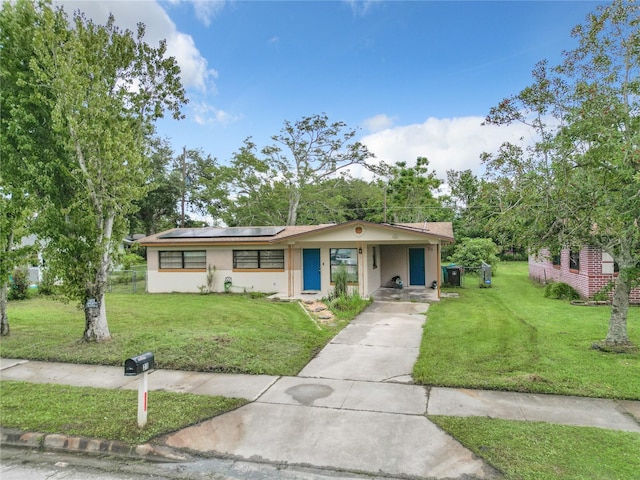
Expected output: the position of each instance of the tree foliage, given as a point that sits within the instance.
(411, 193)
(18, 99)
(580, 183)
(310, 151)
(97, 89)
(472, 252)
(157, 209)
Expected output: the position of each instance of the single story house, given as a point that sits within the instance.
(293, 260)
(587, 269)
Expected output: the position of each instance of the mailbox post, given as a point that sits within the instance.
(135, 366)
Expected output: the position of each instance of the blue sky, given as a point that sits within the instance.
(415, 78)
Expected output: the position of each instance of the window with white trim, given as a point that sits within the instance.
(258, 259)
(345, 258)
(183, 259)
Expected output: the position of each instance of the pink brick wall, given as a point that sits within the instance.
(587, 281)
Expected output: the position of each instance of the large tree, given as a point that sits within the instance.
(101, 89)
(580, 183)
(481, 206)
(22, 112)
(310, 151)
(411, 193)
(158, 208)
(16, 212)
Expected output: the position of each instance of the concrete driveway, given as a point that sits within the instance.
(380, 345)
(352, 408)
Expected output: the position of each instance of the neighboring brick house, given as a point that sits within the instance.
(587, 270)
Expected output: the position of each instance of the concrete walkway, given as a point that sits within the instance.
(343, 411)
(352, 408)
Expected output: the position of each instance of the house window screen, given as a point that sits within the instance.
(347, 259)
(180, 260)
(258, 259)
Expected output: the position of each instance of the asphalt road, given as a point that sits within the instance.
(25, 464)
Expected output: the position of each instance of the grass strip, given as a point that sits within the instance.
(543, 451)
(509, 337)
(103, 413)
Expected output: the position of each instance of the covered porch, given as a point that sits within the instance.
(382, 294)
(406, 294)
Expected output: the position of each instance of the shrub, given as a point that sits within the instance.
(346, 303)
(130, 259)
(340, 303)
(561, 290)
(48, 284)
(471, 252)
(19, 288)
(340, 279)
(514, 256)
(120, 277)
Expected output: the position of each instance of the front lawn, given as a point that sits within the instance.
(509, 337)
(216, 333)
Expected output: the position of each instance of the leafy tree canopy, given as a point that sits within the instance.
(580, 183)
(82, 109)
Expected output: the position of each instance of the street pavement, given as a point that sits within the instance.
(353, 408)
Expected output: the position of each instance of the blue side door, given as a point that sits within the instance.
(416, 266)
(311, 269)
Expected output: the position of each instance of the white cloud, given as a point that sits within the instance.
(360, 7)
(193, 66)
(378, 122)
(448, 143)
(205, 114)
(207, 9)
(195, 72)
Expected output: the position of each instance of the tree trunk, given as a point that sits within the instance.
(294, 201)
(617, 335)
(96, 328)
(95, 312)
(4, 319)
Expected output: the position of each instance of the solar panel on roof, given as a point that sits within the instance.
(213, 232)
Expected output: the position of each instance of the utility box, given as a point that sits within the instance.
(453, 276)
(485, 275)
(140, 364)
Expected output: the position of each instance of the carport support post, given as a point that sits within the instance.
(143, 385)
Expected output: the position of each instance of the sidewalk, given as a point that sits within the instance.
(353, 408)
(348, 395)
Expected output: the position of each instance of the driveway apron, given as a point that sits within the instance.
(352, 408)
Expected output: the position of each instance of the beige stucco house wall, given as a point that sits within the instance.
(304, 255)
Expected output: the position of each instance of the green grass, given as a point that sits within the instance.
(542, 451)
(101, 413)
(217, 333)
(510, 337)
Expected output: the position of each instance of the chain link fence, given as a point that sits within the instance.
(128, 281)
(460, 276)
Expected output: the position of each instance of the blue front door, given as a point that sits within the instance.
(416, 266)
(311, 269)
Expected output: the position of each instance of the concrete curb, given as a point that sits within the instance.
(57, 442)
